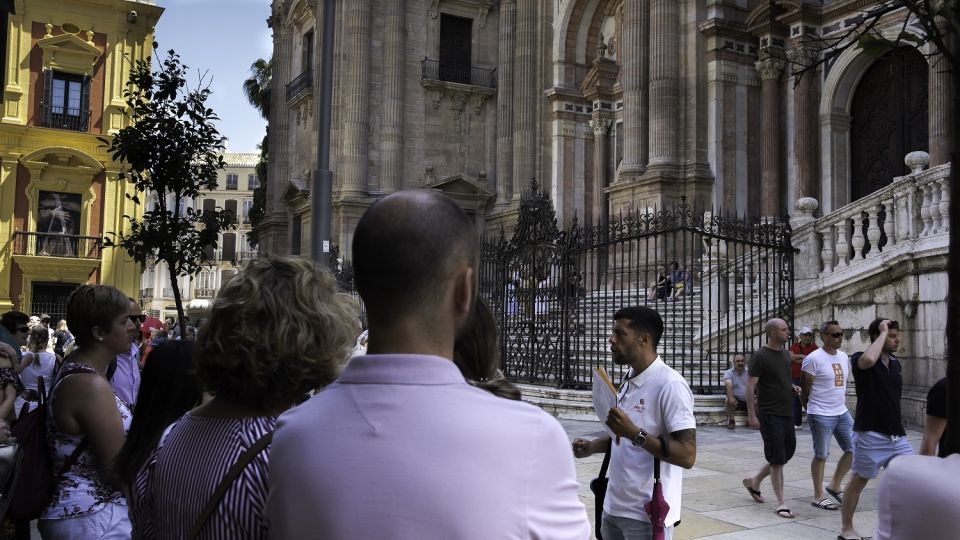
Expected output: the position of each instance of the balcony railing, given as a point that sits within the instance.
(146, 293)
(302, 84)
(59, 117)
(458, 73)
(204, 293)
(56, 245)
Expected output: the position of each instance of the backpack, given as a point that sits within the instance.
(37, 481)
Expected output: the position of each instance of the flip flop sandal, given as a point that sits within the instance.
(732, 424)
(838, 495)
(755, 493)
(785, 513)
(840, 537)
(825, 504)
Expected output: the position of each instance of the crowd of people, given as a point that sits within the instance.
(284, 418)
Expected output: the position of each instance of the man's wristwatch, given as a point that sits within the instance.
(640, 439)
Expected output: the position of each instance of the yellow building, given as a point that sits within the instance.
(65, 66)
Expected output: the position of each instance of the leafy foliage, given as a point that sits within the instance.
(170, 153)
(258, 90)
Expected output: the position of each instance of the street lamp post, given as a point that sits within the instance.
(321, 196)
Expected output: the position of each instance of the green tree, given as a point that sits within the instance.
(257, 89)
(170, 152)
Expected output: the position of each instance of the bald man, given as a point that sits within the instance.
(772, 411)
(401, 446)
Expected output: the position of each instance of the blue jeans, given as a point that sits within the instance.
(822, 428)
(621, 528)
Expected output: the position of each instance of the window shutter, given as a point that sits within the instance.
(209, 205)
(85, 104)
(46, 105)
(229, 247)
(231, 206)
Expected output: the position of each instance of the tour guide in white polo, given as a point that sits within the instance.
(654, 418)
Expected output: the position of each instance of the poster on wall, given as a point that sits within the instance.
(58, 223)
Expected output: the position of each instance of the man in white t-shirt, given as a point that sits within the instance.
(653, 418)
(823, 391)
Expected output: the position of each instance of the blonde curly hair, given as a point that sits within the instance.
(276, 330)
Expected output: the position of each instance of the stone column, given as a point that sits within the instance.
(274, 225)
(806, 122)
(939, 109)
(508, 19)
(394, 59)
(524, 97)
(770, 69)
(664, 82)
(633, 62)
(601, 143)
(356, 127)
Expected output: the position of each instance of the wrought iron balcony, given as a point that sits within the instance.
(458, 73)
(59, 117)
(302, 85)
(56, 245)
(204, 293)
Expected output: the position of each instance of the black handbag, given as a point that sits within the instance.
(599, 488)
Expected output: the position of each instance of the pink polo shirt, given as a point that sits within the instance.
(402, 447)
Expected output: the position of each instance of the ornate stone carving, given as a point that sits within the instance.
(433, 98)
(917, 161)
(769, 68)
(477, 101)
(802, 56)
(600, 125)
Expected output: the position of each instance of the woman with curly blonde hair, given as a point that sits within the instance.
(277, 330)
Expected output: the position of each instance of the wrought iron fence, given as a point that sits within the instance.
(714, 279)
(458, 73)
(303, 83)
(56, 245)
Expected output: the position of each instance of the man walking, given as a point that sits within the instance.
(771, 411)
(735, 381)
(799, 351)
(401, 446)
(823, 390)
(880, 436)
(654, 415)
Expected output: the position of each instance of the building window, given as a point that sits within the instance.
(230, 205)
(306, 52)
(66, 101)
(456, 35)
(296, 232)
(247, 205)
(232, 181)
(252, 182)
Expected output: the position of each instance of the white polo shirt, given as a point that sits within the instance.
(660, 402)
(828, 393)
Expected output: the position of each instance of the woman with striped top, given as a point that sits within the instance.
(276, 330)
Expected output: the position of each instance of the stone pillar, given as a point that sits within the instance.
(508, 19)
(806, 123)
(356, 127)
(394, 59)
(633, 62)
(601, 143)
(939, 109)
(770, 69)
(664, 82)
(8, 195)
(273, 228)
(525, 96)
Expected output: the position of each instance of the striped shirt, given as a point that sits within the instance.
(179, 478)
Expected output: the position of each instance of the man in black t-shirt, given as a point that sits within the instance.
(773, 412)
(878, 428)
(936, 421)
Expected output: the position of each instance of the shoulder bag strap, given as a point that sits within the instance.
(75, 455)
(227, 480)
(606, 461)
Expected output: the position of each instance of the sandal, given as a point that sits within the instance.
(732, 424)
(825, 504)
(785, 513)
(837, 495)
(755, 493)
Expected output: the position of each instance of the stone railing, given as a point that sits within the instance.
(908, 217)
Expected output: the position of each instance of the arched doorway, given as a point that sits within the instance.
(888, 119)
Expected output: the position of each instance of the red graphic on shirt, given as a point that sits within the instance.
(640, 406)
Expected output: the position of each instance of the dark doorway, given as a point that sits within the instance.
(51, 298)
(456, 34)
(889, 120)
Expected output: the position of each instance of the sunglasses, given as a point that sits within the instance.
(138, 319)
(836, 334)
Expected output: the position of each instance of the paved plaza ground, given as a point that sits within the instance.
(715, 504)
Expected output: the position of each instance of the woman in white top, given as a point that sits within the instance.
(36, 364)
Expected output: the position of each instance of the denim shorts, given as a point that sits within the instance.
(873, 451)
(823, 427)
(621, 528)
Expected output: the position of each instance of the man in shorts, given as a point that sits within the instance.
(735, 382)
(771, 412)
(823, 391)
(880, 436)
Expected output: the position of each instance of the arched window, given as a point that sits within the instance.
(888, 119)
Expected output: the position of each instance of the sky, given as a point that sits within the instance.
(222, 38)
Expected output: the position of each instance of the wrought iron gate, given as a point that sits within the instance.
(714, 279)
